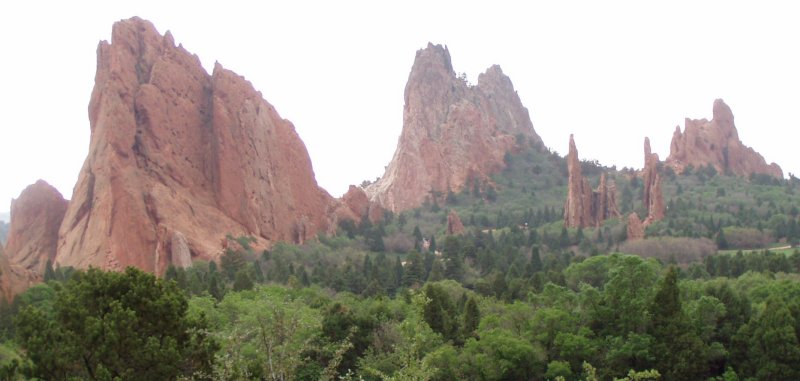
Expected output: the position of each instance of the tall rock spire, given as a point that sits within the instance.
(453, 133)
(586, 207)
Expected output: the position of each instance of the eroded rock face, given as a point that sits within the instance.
(454, 224)
(653, 198)
(13, 278)
(35, 219)
(716, 142)
(585, 206)
(453, 133)
(635, 227)
(178, 159)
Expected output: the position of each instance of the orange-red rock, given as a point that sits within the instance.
(453, 132)
(716, 142)
(178, 159)
(653, 197)
(35, 219)
(584, 206)
(635, 227)
(13, 278)
(454, 224)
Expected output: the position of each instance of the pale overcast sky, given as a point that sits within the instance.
(610, 72)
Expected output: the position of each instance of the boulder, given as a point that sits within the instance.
(35, 219)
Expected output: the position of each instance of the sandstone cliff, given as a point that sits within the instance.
(453, 132)
(36, 217)
(585, 206)
(178, 159)
(716, 142)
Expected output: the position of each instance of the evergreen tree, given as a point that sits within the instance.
(472, 317)
(49, 273)
(242, 281)
(414, 271)
(215, 286)
(399, 273)
(453, 260)
(679, 352)
(437, 272)
(773, 351)
(536, 260)
(258, 273)
(114, 326)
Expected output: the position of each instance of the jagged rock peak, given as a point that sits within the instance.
(586, 207)
(178, 159)
(35, 219)
(433, 56)
(716, 142)
(453, 133)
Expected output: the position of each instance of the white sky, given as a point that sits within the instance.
(609, 72)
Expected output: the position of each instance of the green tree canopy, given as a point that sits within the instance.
(114, 326)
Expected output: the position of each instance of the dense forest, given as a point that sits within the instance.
(713, 293)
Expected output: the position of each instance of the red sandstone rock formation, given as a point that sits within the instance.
(13, 278)
(454, 224)
(356, 206)
(453, 132)
(178, 159)
(584, 206)
(35, 218)
(635, 227)
(717, 143)
(653, 197)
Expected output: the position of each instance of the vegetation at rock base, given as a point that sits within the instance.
(516, 297)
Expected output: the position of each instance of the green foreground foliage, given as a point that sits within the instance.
(600, 318)
(111, 326)
(517, 297)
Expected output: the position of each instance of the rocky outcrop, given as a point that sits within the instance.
(13, 278)
(454, 224)
(355, 206)
(716, 142)
(453, 133)
(178, 159)
(584, 206)
(653, 198)
(35, 219)
(635, 227)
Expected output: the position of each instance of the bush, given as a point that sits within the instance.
(668, 249)
(746, 238)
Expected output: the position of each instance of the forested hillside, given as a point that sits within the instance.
(515, 296)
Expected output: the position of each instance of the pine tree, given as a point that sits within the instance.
(472, 317)
(679, 352)
(773, 350)
(49, 273)
(242, 281)
(215, 288)
(258, 273)
(536, 260)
